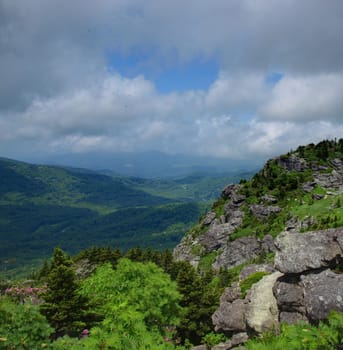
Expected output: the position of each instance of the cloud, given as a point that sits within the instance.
(306, 98)
(58, 93)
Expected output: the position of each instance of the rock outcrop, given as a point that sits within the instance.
(297, 252)
(262, 311)
(303, 288)
(305, 282)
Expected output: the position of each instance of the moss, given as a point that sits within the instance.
(247, 283)
(219, 207)
(206, 261)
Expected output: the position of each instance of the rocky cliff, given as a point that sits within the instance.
(283, 230)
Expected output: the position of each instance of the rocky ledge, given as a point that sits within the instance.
(305, 284)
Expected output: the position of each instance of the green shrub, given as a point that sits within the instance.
(22, 327)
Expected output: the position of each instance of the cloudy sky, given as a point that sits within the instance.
(241, 79)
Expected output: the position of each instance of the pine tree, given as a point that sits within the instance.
(64, 308)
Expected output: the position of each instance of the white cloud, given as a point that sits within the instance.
(57, 94)
(304, 98)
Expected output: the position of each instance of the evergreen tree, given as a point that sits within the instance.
(64, 308)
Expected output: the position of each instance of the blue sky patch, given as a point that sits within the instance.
(194, 75)
(274, 77)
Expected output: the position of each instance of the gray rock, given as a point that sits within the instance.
(200, 347)
(184, 251)
(234, 217)
(317, 196)
(216, 235)
(291, 317)
(263, 211)
(209, 218)
(323, 292)
(231, 293)
(268, 245)
(229, 191)
(238, 252)
(333, 180)
(262, 312)
(230, 316)
(299, 252)
(289, 296)
(309, 186)
(292, 163)
(239, 338)
(268, 198)
(296, 225)
(223, 346)
(250, 269)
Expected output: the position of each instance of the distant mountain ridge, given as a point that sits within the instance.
(45, 206)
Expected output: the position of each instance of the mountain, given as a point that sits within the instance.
(45, 206)
(278, 239)
(152, 164)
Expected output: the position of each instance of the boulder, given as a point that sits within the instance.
(268, 245)
(216, 236)
(289, 296)
(323, 292)
(239, 338)
(300, 252)
(238, 252)
(292, 163)
(230, 191)
(209, 218)
(262, 311)
(231, 293)
(230, 316)
(184, 251)
(223, 346)
(309, 186)
(263, 211)
(291, 317)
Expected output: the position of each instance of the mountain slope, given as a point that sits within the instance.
(302, 190)
(46, 206)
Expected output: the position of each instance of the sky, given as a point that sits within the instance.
(236, 79)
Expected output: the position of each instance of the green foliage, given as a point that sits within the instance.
(22, 327)
(247, 283)
(327, 336)
(64, 307)
(143, 291)
(212, 339)
(200, 299)
(206, 261)
(218, 207)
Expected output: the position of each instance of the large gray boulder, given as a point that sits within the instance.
(238, 252)
(323, 292)
(289, 296)
(300, 252)
(262, 312)
(217, 235)
(230, 316)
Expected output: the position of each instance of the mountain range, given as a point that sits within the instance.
(43, 206)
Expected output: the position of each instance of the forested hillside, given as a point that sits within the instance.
(46, 206)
